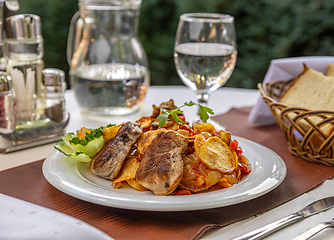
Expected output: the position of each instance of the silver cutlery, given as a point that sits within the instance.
(309, 210)
(312, 231)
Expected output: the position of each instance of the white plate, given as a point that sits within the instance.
(75, 179)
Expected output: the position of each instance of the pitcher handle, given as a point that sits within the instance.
(76, 28)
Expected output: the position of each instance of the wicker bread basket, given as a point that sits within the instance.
(303, 128)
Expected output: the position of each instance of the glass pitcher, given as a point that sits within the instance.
(109, 71)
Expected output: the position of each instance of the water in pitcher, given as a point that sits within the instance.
(112, 89)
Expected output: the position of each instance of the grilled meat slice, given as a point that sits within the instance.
(146, 138)
(161, 168)
(109, 160)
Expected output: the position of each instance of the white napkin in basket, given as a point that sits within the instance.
(284, 69)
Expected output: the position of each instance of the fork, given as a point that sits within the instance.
(312, 231)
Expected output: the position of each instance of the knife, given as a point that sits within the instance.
(309, 210)
(312, 231)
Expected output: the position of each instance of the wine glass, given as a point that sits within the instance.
(205, 52)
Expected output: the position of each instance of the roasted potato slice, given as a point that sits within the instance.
(225, 136)
(174, 126)
(205, 127)
(223, 182)
(127, 172)
(183, 132)
(198, 142)
(145, 122)
(216, 155)
(243, 159)
(135, 184)
(206, 135)
(110, 132)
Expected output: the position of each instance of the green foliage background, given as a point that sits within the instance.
(266, 30)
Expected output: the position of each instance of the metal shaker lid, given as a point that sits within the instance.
(24, 26)
(12, 5)
(53, 77)
(5, 82)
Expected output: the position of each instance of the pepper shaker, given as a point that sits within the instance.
(53, 90)
(7, 118)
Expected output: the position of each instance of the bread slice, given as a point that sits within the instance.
(330, 70)
(313, 90)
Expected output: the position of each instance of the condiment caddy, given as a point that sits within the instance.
(32, 105)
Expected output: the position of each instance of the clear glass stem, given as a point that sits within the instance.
(203, 98)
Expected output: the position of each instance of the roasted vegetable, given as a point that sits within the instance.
(216, 155)
(110, 132)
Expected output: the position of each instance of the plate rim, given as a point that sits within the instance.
(159, 203)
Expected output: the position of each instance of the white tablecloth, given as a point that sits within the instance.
(221, 101)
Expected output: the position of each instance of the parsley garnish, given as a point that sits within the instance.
(94, 134)
(202, 111)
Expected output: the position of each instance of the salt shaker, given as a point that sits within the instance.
(24, 49)
(7, 118)
(53, 89)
